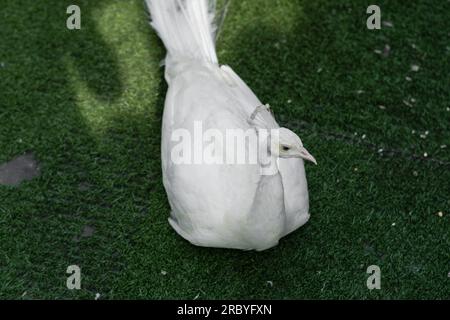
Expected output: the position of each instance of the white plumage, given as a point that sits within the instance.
(222, 205)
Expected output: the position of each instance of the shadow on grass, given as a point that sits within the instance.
(39, 112)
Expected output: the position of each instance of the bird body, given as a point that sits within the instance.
(222, 204)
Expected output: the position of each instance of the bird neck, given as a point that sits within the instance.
(267, 160)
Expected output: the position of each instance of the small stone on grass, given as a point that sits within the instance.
(19, 169)
(88, 231)
(415, 68)
(386, 51)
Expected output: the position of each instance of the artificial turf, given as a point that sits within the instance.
(88, 104)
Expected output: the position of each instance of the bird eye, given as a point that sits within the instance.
(285, 148)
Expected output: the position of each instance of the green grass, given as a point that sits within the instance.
(89, 104)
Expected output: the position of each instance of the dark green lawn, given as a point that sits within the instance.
(88, 103)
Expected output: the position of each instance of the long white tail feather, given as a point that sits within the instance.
(219, 20)
(186, 28)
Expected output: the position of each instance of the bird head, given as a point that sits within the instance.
(289, 145)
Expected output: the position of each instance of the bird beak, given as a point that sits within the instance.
(304, 154)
